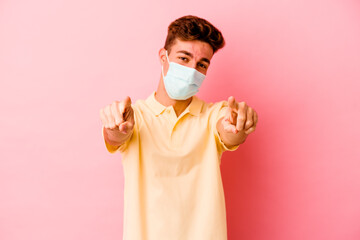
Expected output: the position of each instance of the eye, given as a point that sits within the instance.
(202, 65)
(184, 59)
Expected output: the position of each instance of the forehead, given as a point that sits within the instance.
(198, 48)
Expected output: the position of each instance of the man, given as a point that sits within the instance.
(171, 143)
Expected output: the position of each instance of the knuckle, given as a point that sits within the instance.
(110, 118)
(108, 111)
(114, 103)
(241, 118)
(242, 106)
(248, 125)
(114, 107)
(249, 122)
(121, 105)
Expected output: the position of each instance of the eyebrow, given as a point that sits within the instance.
(190, 55)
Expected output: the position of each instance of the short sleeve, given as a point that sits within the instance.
(220, 112)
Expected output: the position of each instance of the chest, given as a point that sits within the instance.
(167, 132)
(172, 146)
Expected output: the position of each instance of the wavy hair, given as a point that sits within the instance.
(189, 28)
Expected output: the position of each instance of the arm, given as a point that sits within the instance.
(239, 121)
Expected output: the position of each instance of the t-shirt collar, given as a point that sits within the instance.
(194, 107)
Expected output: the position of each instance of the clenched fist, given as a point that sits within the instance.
(118, 120)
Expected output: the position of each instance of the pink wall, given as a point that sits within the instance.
(295, 62)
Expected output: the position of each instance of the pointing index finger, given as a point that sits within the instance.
(127, 102)
(232, 103)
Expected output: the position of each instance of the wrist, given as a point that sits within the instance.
(114, 137)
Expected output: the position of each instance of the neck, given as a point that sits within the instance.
(162, 97)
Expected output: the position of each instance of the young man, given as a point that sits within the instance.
(171, 143)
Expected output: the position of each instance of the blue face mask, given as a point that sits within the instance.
(181, 82)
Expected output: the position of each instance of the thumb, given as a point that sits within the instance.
(228, 126)
(126, 127)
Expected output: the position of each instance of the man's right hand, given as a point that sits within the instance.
(118, 120)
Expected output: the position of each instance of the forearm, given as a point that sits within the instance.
(230, 139)
(114, 137)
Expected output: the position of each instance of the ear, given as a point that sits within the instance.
(162, 56)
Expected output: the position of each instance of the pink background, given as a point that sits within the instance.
(295, 62)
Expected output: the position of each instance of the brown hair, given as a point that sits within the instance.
(189, 28)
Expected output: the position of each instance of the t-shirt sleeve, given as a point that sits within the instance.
(219, 112)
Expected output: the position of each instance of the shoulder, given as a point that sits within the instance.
(139, 105)
(213, 111)
(212, 108)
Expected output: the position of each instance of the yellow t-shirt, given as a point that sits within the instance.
(173, 188)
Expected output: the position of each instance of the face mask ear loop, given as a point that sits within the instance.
(162, 66)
